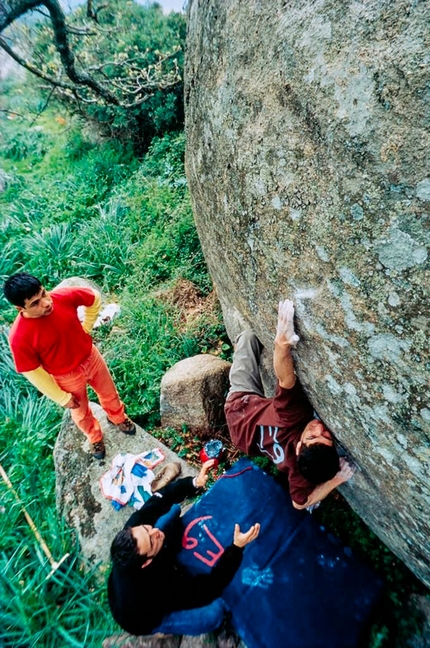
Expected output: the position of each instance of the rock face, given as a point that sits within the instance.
(307, 163)
(223, 639)
(79, 498)
(125, 640)
(80, 282)
(193, 392)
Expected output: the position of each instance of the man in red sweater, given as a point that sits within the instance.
(55, 352)
(282, 428)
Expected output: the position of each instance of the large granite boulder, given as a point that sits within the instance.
(80, 282)
(307, 161)
(193, 393)
(78, 493)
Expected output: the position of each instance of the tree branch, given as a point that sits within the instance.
(80, 32)
(67, 57)
(10, 10)
(129, 81)
(11, 112)
(45, 105)
(31, 68)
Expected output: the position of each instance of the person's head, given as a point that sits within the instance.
(28, 295)
(136, 547)
(317, 458)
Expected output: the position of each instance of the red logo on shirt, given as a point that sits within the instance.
(191, 543)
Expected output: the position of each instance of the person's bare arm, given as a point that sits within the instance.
(203, 476)
(285, 339)
(321, 491)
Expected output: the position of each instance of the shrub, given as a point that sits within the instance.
(105, 248)
(136, 52)
(27, 144)
(51, 252)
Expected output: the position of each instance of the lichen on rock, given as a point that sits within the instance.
(307, 162)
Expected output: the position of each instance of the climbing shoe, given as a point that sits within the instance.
(127, 426)
(166, 475)
(98, 449)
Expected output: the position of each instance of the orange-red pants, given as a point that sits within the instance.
(94, 372)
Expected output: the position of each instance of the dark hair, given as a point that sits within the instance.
(124, 551)
(21, 286)
(318, 462)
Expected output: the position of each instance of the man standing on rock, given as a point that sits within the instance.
(282, 428)
(55, 352)
(148, 590)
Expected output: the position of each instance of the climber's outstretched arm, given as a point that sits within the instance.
(285, 339)
(321, 491)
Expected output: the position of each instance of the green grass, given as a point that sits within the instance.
(67, 610)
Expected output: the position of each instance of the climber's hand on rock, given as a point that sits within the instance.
(285, 333)
(346, 471)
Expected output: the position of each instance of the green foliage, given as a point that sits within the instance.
(141, 353)
(59, 219)
(8, 259)
(78, 146)
(33, 612)
(105, 248)
(55, 251)
(68, 610)
(21, 409)
(30, 144)
(136, 53)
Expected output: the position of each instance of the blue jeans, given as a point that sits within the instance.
(194, 622)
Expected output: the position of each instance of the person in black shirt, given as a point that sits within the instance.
(147, 587)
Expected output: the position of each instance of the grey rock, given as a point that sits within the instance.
(80, 501)
(225, 639)
(201, 641)
(193, 393)
(421, 604)
(307, 162)
(125, 640)
(78, 495)
(80, 282)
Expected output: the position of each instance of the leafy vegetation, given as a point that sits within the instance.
(118, 65)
